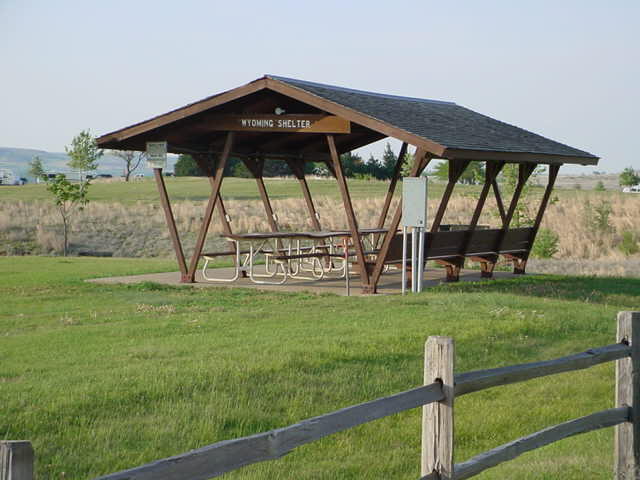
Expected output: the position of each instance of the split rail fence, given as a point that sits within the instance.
(436, 397)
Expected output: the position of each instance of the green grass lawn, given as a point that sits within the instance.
(102, 378)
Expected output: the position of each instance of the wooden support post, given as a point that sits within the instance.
(222, 211)
(392, 186)
(256, 167)
(420, 162)
(298, 171)
(456, 168)
(499, 202)
(437, 417)
(524, 172)
(351, 217)
(520, 264)
(627, 435)
(492, 170)
(171, 223)
(215, 192)
(16, 460)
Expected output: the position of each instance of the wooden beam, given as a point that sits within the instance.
(520, 264)
(298, 170)
(397, 170)
(171, 223)
(181, 113)
(215, 191)
(222, 211)
(228, 455)
(524, 172)
(351, 217)
(420, 162)
(478, 380)
(256, 167)
(499, 202)
(511, 450)
(516, 157)
(456, 169)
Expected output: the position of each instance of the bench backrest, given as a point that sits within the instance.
(449, 244)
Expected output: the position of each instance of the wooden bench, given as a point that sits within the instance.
(452, 248)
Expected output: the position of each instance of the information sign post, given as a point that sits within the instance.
(414, 216)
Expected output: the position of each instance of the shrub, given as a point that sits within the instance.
(599, 186)
(546, 244)
(629, 243)
(596, 216)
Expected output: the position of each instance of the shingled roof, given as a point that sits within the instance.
(446, 123)
(444, 129)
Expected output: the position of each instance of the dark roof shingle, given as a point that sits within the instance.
(446, 123)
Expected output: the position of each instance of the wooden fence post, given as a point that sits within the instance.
(627, 435)
(16, 460)
(437, 417)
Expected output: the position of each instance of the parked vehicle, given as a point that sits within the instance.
(634, 189)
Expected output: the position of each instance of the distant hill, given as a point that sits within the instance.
(17, 160)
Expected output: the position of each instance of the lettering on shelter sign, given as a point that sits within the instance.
(280, 123)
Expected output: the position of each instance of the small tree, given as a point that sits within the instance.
(473, 174)
(36, 168)
(132, 160)
(83, 153)
(68, 197)
(629, 177)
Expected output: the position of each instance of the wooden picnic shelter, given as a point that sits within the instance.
(296, 121)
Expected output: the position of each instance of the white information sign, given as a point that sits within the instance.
(157, 154)
(414, 201)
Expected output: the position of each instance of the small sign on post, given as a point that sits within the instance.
(157, 154)
(414, 216)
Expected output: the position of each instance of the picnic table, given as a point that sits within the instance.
(290, 254)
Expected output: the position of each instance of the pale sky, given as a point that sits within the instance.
(566, 69)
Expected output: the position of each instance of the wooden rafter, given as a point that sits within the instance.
(456, 169)
(499, 202)
(256, 167)
(298, 170)
(171, 223)
(520, 263)
(206, 221)
(397, 170)
(351, 217)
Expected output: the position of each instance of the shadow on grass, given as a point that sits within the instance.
(586, 289)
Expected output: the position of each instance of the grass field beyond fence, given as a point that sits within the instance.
(101, 378)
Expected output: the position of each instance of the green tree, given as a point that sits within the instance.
(600, 186)
(351, 164)
(36, 168)
(186, 166)
(83, 153)
(629, 177)
(389, 159)
(68, 197)
(524, 213)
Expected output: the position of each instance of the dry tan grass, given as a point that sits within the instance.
(139, 230)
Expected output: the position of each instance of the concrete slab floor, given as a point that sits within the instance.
(390, 282)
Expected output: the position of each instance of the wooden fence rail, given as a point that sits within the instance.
(436, 397)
